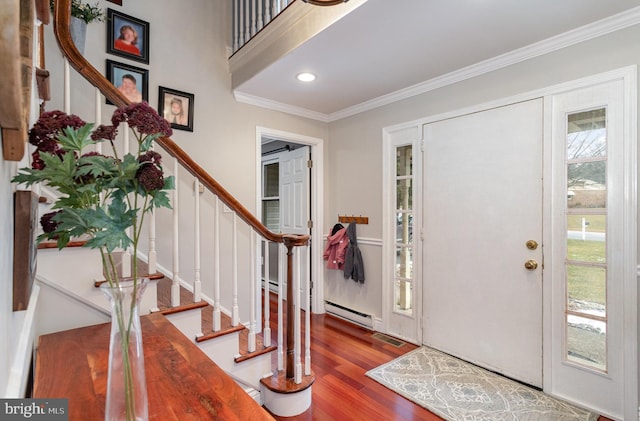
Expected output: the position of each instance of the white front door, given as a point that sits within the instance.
(482, 210)
(294, 207)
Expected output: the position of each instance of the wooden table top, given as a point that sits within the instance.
(182, 382)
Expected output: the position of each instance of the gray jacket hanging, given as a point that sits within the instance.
(353, 264)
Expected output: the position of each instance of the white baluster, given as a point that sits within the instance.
(126, 255)
(281, 254)
(235, 26)
(267, 11)
(247, 33)
(240, 30)
(152, 262)
(267, 307)
(216, 269)
(307, 321)
(252, 291)
(275, 7)
(254, 28)
(67, 87)
(296, 322)
(235, 319)
(175, 286)
(260, 13)
(98, 117)
(153, 257)
(197, 284)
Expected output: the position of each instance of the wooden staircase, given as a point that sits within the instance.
(195, 320)
(229, 333)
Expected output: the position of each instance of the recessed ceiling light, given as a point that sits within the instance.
(306, 77)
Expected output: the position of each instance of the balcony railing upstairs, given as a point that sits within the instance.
(250, 16)
(266, 30)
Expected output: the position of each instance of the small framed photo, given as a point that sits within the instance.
(176, 107)
(132, 81)
(127, 36)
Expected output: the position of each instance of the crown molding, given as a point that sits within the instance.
(578, 35)
(594, 30)
(279, 106)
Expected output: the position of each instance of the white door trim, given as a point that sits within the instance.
(630, 190)
(317, 200)
(410, 329)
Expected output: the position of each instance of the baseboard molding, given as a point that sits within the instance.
(22, 356)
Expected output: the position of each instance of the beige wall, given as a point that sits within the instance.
(188, 53)
(355, 143)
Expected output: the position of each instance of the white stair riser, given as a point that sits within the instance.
(286, 404)
(222, 350)
(253, 369)
(188, 322)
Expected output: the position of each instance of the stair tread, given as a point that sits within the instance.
(186, 298)
(75, 242)
(280, 383)
(142, 269)
(244, 353)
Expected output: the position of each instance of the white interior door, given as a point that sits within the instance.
(294, 206)
(482, 205)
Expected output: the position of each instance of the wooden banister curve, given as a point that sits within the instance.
(62, 13)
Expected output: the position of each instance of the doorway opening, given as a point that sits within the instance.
(289, 182)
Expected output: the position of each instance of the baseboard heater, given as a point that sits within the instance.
(362, 319)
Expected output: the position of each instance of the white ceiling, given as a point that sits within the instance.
(389, 49)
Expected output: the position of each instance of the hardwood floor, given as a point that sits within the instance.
(340, 355)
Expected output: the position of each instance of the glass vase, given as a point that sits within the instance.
(126, 386)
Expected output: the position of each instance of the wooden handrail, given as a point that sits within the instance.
(61, 27)
(62, 13)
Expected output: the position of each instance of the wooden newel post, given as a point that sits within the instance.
(290, 314)
(291, 241)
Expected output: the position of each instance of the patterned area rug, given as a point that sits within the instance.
(456, 390)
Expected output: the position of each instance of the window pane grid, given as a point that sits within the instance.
(586, 211)
(403, 226)
(586, 315)
(586, 228)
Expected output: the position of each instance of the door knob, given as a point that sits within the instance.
(532, 244)
(531, 265)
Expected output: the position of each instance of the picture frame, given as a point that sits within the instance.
(176, 107)
(118, 2)
(127, 36)
(123, 76)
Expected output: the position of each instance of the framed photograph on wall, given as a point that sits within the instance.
(176, 107)
(132, 81)
(127, 36)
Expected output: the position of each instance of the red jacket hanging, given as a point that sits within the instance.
(336, 248)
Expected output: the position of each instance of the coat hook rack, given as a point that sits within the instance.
(347, 219)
